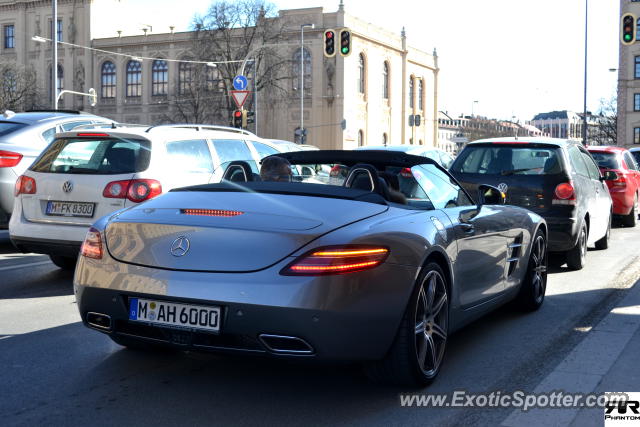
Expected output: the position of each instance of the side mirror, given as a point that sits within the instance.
(490, 195)
(610, 176)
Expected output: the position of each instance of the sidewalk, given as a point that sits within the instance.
(606, 359)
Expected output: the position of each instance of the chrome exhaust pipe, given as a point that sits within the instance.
(282, 344)
(99, 321)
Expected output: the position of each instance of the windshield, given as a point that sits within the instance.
(9, 127)
(422, 186)
(506, 160)
(606, 160)
(108, 156)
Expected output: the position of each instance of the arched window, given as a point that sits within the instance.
(214, 79)
(360, 138)
(134, 79)
(295, 62)
(638, 29)
(411, 91)
(385, 80)
(420, 93)
(108, 80)
(185, 77)
(361, 74)
(159, 77)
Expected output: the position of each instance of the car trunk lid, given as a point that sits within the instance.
(226, 232)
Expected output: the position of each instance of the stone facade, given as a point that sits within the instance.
(334, 95)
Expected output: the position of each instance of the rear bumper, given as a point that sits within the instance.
(46, 246)
(343, 317)
(563, 233)
(61, 239)
(622, 202)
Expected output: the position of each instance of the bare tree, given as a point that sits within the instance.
(605, 132)
(225, 36)
(481, 128)
(18, 89)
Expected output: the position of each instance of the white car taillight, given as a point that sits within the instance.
(92, 245)
(337, 260)
(136, 190)
(25, 185)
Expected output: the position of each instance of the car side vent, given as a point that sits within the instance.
(514, 252)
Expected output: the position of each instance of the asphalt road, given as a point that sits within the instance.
(54, 371)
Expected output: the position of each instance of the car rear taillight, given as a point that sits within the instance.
(9, 159)
(93, 134)
(25, 185)
(92, 245)
(136, 190)
(564, 194)
(619, 183)
(337, 260)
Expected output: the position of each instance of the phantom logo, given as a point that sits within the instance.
(623, 406)
(622, 411)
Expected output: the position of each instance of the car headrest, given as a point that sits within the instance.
(238, 171)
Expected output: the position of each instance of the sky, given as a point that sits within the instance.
(514, 57)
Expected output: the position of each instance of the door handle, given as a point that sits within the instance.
(467, 228)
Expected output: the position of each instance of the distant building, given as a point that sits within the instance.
(566, 124)
(375, 89)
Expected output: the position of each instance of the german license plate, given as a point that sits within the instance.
(70, 209)
(174, 315)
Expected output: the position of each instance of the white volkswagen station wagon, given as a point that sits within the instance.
(86, 174)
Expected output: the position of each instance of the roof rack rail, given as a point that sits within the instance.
(56, 111)
(203, 127)
(112, 125)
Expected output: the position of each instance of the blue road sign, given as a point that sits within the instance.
(240, 83)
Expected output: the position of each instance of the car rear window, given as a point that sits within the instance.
(9, 127)
(101, 156)
(606, 160)
(508, 160)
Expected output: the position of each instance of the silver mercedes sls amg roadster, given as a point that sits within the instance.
(371, 256)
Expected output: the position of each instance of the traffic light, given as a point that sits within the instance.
(329, 43)
(237, 119)
(628, 30)
(411, 119)
(416, 120)
(249, 116)
(345, 42)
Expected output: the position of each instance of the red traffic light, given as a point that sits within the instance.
(329, 43)
(237, 113)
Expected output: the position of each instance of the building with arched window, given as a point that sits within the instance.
(144, 77)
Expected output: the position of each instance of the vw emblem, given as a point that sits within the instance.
(180, 246)
(503, 187)
(67, 187)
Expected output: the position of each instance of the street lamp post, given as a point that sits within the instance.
(302, 27)
(472, 105)
(584, 117)
(54, 49)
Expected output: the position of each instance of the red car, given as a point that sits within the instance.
(624, 190)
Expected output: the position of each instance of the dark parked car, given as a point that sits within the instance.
(555, 178)
(626, 187)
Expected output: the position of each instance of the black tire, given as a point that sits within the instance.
(604, 242)
(630, 220)
(577, 256)
(417, 353)
(534, 284)
(64, 262)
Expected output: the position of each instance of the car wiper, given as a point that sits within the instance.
(511, 172)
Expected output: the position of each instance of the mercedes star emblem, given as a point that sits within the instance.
(180, 246)
(67, 187)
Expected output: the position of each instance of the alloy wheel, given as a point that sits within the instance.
(431, 323)
(539, 271)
